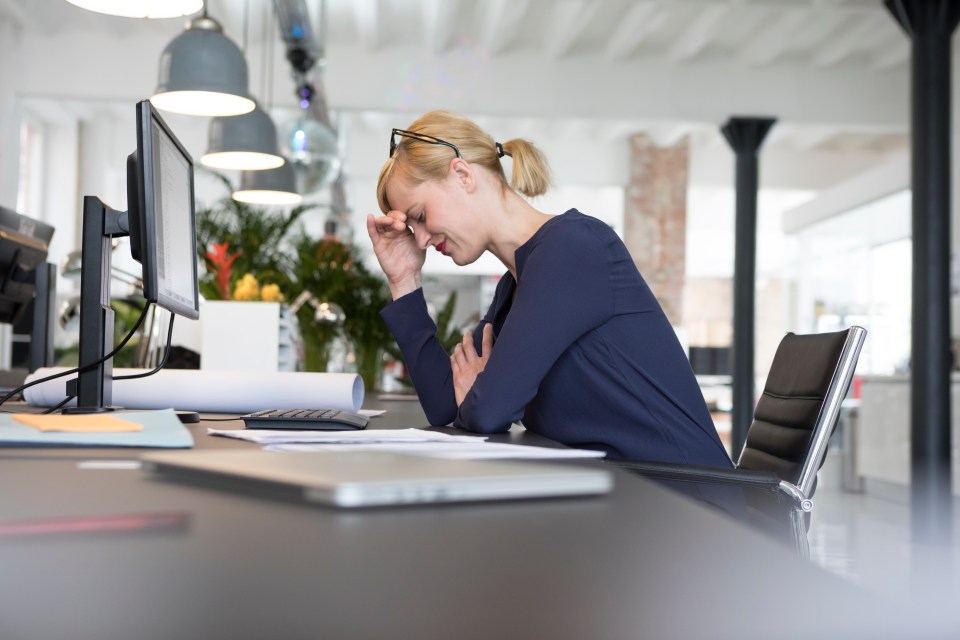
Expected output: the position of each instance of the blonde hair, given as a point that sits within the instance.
(415, 161)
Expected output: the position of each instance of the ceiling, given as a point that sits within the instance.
(822, 33)
(845, 38)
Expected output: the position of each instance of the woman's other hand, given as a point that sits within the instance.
(397, 252)
(467, 363)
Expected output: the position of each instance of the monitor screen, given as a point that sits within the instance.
(162, 215)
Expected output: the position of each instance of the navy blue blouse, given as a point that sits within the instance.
(583, 354)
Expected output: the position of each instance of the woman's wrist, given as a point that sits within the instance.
(405, 285)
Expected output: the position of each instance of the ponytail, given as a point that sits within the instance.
(531, 173)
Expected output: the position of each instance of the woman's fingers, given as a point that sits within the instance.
(487, 340)
(467, 348)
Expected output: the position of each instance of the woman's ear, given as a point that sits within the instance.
(463, 174)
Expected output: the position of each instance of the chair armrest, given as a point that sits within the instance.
(717, 475)
(692, 473)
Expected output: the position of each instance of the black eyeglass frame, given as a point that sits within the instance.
(422, 137)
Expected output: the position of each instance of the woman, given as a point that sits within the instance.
(575, 344)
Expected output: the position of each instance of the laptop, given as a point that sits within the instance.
(368, 479)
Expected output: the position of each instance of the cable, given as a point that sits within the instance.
(58, 406)
(87, 367)
(163, 361)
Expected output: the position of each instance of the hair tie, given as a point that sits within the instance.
(500, 152)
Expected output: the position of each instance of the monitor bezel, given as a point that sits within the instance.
(146, 222)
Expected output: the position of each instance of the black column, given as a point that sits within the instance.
(745, 136)
(930, 24)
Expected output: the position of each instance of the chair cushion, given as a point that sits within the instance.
(792, 400)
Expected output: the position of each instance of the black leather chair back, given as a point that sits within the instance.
(803, 373)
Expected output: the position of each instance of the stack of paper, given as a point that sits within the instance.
(281, 436)
(411, 441)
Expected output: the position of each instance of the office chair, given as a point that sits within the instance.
(787, 441)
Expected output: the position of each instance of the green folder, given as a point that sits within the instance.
(161, 429)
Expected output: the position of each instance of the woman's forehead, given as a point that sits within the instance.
(401, 193)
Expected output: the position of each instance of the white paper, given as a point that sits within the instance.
(215, 391)
(452, 450)
(286, 436)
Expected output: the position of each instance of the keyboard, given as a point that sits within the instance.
(326, 419)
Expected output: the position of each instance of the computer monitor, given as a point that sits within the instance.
(27, 290)
(161, 224)
(160, 205)
(23, 248)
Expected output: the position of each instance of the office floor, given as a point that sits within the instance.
(867, 539)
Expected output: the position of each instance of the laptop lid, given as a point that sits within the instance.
(364, 479)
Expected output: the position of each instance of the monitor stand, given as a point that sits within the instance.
(93, 385)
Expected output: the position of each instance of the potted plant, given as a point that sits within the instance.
(235, 239)
(333, 272)
(252, 253)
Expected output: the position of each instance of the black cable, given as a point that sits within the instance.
(58, 406)
(163, 361)
(84, 368)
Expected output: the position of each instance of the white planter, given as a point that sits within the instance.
(246, 336)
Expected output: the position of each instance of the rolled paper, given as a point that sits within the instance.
(214, 391)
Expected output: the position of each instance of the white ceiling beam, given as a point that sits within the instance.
(699, 34)
(366, 15)
(845, 43)
(16, 13)
(439, 18)
(566, 24)
(774, 41)
(640, 20)
(501, 22)
(819, 25)
(893, 56)
(808, 138)
(667, 135)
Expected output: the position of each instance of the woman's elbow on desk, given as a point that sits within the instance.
(439, 417)
(481, 424)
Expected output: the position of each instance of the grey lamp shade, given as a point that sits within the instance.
(247, 142)
(141, 8)
(203, 73)
(272, 186)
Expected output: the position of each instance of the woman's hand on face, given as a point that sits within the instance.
(397, 251)
(467, 363)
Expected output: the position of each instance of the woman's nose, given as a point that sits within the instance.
(422, 237)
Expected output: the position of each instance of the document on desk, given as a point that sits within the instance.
(450, 450)
(367, 436)
(161, 429)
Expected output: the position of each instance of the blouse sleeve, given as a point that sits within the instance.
(429, 365)
(425, 358)
(564, 291)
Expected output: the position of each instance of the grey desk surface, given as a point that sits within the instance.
(640, 562)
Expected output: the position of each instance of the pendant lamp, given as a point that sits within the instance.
(203, 73)
(272, 186)
(141, 8)
(247, 142)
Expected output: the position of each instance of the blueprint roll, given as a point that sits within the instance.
(214, 391)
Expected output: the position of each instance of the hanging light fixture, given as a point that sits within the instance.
(203, 73)
(309, 140)
(141, 8)
(271, 186)
(247, 142)
(311, 147)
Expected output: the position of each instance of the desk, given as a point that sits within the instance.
(639, 563)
